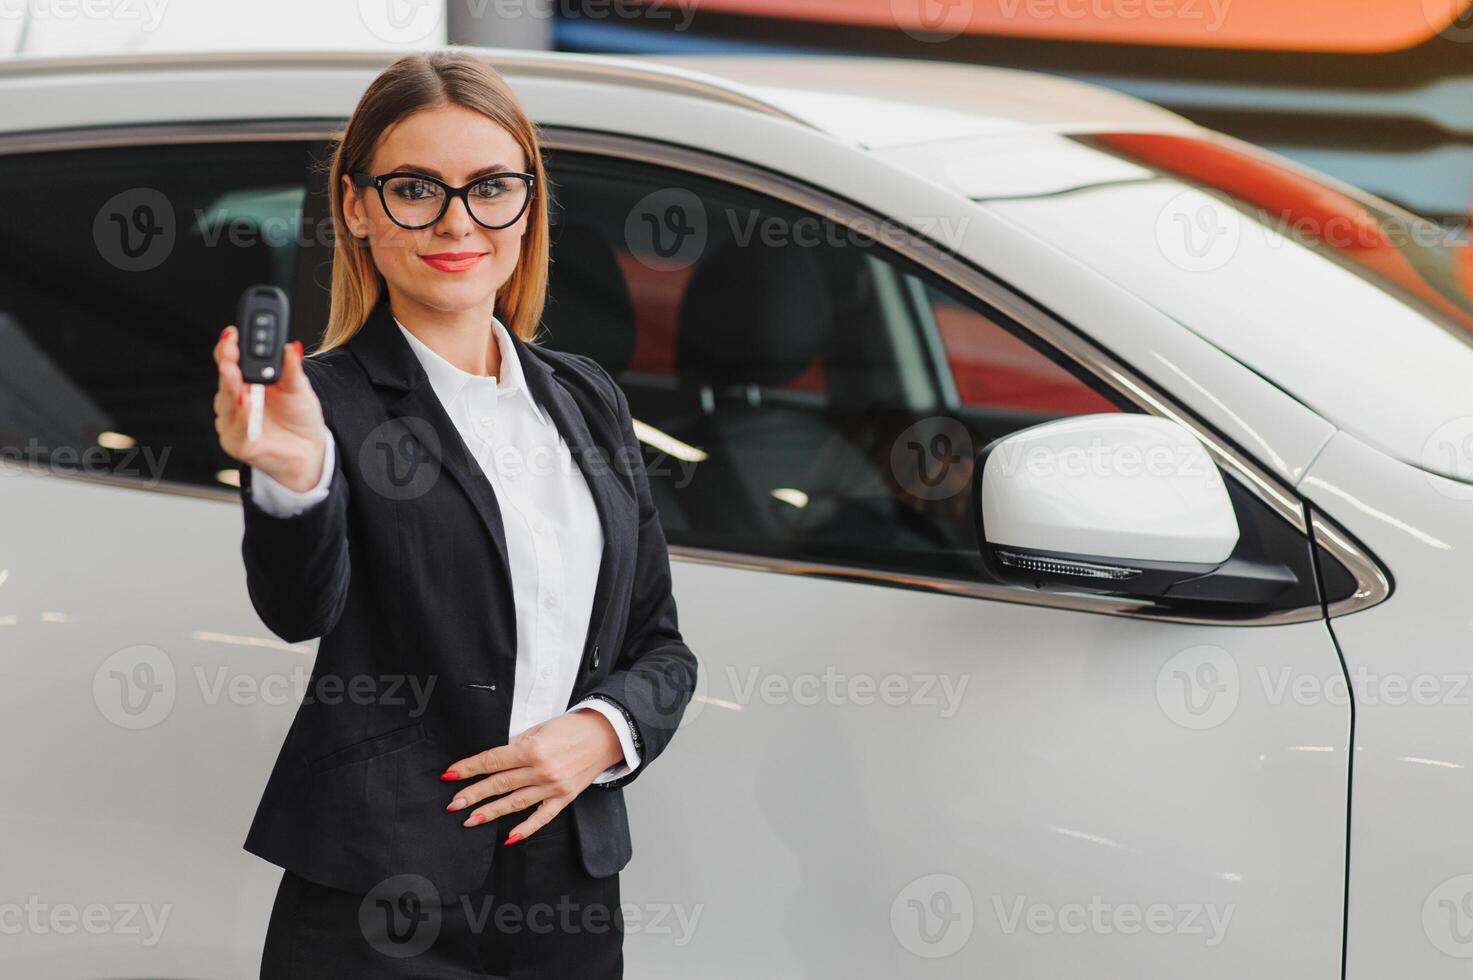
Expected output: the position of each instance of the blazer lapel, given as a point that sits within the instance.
(392, 365)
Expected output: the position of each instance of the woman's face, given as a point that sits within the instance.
(457, 145)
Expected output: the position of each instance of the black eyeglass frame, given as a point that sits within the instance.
(364, 179)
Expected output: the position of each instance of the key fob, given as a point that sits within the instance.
(262, 321)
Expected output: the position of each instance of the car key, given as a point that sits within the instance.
(263, 320)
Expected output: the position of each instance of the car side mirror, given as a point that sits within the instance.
(1121, 504)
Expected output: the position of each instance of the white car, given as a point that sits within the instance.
(1070, 509)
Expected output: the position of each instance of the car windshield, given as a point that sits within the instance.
(1362, 311)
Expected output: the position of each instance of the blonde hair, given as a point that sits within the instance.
(413, 82)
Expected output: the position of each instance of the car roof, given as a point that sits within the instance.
(865, 100)
(885, 101)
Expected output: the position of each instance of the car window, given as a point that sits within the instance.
(801, 391)
(997, 370)
(122, 266)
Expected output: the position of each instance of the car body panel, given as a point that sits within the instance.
(144, 702)
(1411, 867)
(1073, 776)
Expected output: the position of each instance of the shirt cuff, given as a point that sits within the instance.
(278, 501)
(626, 739)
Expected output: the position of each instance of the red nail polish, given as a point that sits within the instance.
(476, 820)
(449, 775)
(511, 840)
(298, 345)
(240, 398)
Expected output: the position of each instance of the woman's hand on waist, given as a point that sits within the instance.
(549, 763)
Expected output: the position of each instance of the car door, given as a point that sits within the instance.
(895, 766)
(143, 702)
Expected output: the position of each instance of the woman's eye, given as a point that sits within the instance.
(492, 187)
(412, 190)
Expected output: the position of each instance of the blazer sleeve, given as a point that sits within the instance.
(297, 566)
(654, 674)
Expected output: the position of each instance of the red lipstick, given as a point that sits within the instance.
(453, 261)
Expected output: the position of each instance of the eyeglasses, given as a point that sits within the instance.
(414, 201)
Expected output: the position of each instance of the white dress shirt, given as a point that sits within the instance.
(554, 540)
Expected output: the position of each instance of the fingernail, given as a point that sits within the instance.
(476, 818)
(449, 775)
(511, 840)
(240, 398)
(298, 345)
(224, 332)
(456, 804)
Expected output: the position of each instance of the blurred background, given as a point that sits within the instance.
(1376, 92)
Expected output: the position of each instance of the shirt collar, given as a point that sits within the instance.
(449, 380)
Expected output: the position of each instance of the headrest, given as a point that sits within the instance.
(754, 314)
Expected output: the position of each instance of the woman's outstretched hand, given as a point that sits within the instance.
(551, 762)
(293, 437)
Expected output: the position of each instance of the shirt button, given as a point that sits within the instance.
(551, 601)
(539, 526)
(545, 673)
(485, 420)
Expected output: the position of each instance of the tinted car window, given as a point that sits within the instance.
(122, 266)
(802, 391)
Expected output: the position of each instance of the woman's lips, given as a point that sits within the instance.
(453, 261)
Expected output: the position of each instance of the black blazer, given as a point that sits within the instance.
(403, 572)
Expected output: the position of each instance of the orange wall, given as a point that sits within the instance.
(1305, 25)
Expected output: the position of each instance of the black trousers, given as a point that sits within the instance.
(539, 916)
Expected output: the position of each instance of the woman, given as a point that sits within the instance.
(464, 517)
